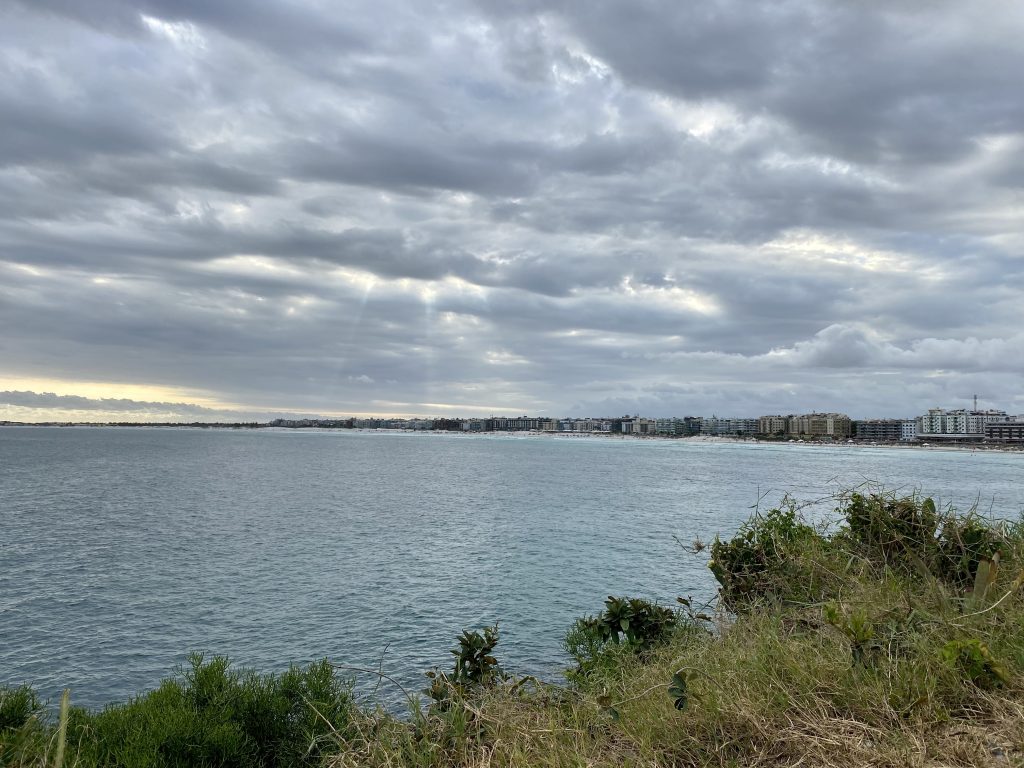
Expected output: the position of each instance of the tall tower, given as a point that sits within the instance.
(975, 402)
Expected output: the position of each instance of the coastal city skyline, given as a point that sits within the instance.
(938, 424)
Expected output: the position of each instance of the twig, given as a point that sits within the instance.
(379, 674)
(996, 604)
(659, 685)
(380, 668)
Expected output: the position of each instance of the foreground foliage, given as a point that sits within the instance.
(209, 715)
(893, 638)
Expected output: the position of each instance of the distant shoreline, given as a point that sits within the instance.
(523, 434)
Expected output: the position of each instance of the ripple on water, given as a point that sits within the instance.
(123, 550)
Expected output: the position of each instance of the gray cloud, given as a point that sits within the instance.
(78, 403)
(461, 206)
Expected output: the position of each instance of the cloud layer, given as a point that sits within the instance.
(472, 207)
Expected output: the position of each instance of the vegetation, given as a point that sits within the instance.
(208, 715)
(894, 637)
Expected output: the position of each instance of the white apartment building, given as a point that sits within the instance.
(639, 426)
(908, 429)
(939, 422)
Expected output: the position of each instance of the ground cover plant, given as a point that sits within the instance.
(892, 637)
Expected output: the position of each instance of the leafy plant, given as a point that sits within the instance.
(856, 627)
(475, 666)
(753, 564)
(974, 661)
(214, 715)
(901, 530)
(964, 543)
(679, 690)
(637, 622)
(626, 625)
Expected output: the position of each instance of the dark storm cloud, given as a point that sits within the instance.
(551, 207)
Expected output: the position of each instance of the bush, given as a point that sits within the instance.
(911, 533)
(963, 543)
(17, 706)
(761, 559)
(475, 668)
(899, 531)
(972, 659)
(214, 715)
(633, 625)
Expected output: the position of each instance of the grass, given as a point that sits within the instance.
(892, 638)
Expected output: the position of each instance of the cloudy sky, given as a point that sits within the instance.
(421, 208)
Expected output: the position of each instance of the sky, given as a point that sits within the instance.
(243, 209)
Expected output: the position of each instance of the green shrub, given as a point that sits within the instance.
(214, 715)
(963, 543)
(763, 559)
(17, 706)
(856, 627)
(626, 625)
(24, 733)
(910, 532)
(898, 530)
(475, 667)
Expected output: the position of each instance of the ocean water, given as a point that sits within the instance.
(121, 550)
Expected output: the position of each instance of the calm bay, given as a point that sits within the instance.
(121, 550)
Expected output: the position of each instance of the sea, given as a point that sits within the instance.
(122, 550)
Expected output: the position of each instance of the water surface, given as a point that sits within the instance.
(123, 549)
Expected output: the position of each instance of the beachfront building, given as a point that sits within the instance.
(908, 430)
(676, 427)
(577, 425)
(720, 426)
(834, 425)
(1008, 431)
(941, 424)
(514, 424)
(773, 425)
(884, 430)
(638, 426)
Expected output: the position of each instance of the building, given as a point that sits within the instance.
(638, 426)
(939, 423)
(837, 426)
(908, 430)
(772, 425)
(1009, 431)
(881, 430)
(720, 426)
